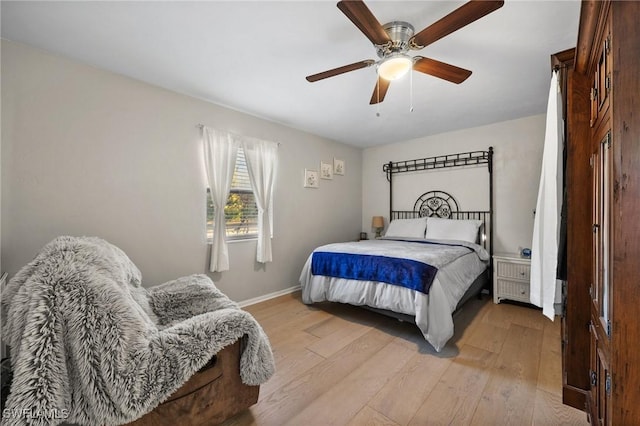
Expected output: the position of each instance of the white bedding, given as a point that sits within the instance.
(432, 311)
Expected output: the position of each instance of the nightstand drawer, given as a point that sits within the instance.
(513, 290)
(511, 278)
(517, 271)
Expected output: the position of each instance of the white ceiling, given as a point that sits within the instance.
(253, 57)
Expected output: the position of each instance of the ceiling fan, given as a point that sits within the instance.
(394, 40)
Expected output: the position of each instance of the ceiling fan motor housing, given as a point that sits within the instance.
(400, 33)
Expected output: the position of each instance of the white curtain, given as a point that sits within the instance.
(546, 226)
(220, 151)
(262, 163)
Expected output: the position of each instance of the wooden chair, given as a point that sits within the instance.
(209, 397)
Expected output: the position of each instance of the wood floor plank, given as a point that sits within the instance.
(405, 333)
(507, 397)
(296, 395)
(501, 367)
(281, 332)
(468, 318)
(488, 336)
(293, 359)
(289, 313)
(294, 366)
(370, 417)
(505, 314)
(291, 344)
(549, 410)
(550, 372)
(455, 396)
(348, 396)
(401, 397)
(340, 337)
(245, 418)
(273, 306)
(326, 327)
(529, 317)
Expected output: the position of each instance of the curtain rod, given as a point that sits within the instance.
(200, 126)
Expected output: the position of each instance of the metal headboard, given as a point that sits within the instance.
(436, 203)
(443, 205)
(440, 203)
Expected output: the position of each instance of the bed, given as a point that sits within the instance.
(431, 260)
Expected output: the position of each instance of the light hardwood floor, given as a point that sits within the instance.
(343, 365)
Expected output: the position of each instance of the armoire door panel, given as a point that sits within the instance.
(603, 177)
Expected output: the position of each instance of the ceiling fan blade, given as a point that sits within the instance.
(464, 15)
(340, 70)
(379, 91)
(361, 16)
(441, 70)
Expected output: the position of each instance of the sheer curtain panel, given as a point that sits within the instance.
(544, 248)
(220, 151)
(262, 163)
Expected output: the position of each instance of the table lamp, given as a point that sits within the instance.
(377, 223)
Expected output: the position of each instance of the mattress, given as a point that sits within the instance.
(432, 311)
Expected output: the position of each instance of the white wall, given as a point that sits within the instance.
(517, 164)
(88, 152)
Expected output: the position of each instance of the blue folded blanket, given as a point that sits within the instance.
(391, 270)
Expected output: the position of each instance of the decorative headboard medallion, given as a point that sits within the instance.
(436, 203)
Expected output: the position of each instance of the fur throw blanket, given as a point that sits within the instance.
(90, 345)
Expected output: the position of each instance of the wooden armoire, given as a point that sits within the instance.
(601, 325)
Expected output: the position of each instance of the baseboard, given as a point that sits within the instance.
(269, 296)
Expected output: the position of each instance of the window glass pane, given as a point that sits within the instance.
(241, 215)
(241, 212)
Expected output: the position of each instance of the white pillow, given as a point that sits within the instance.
(452, 229)
(412, 228)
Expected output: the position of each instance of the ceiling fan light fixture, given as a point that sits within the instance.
(395, 66)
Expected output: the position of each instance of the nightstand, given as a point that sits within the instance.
(511, 277)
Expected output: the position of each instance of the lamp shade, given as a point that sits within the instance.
(377, 222)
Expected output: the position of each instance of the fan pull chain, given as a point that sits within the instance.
(410, 91)
(378, 95)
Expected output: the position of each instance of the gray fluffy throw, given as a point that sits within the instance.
(90, 345)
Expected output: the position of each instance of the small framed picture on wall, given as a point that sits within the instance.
(338, 166)
(326, 170)
(310, 178)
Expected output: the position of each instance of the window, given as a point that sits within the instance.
(241, 212)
